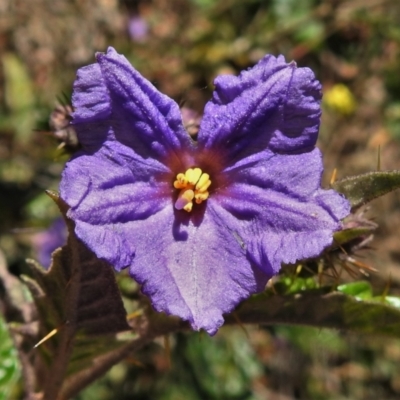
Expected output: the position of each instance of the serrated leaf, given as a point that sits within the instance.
(99, 312)
(347, 235)
(364, 188)
(79, 303)
(9, 364)
(315, 308)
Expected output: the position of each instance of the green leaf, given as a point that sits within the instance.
(347, 235)
(317, 308)
(361, 189)
(223, 366)
(9, 365)
(294, 284)
(359, 290)
(19, 95)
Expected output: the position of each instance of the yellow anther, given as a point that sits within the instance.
(200, 197)
(193, 184)
(184, 200)
(204, 183)
(181, 181)
(193, 175)
(188, 207)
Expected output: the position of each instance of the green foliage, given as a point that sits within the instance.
(346, 235)
(351, 307)
(393, 119)
(18, 95)
(361, 290)
(361, 189)
(223, 367)
(9, 364)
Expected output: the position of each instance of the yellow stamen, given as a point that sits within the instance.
(181, 181)
(184, 200)
(203, 183)
(200, 197)
(193, 175)
(193, 185)
(188, 207)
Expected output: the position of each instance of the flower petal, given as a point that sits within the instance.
(296, 175)
(272, 106)
(111, 187)
(113, 101)
(92, 108)
(279, 228)
(144, 119)
(201, 272)
(108, 242)
(90, 98)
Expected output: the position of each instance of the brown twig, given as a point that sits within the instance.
(148, 327)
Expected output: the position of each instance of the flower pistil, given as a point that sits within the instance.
(193, 185)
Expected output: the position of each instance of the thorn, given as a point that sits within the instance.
(135, 314)
(167, 346)
(378, 167)
(61, 204)
(320, 272)
(48, 336)
(333, 177)
(360, 265)
(342, 249)
(34, 263)
(308, 269)
(53, 195)
(387, 287)
(348, 269)
(270, 284)
(240, 323)
(133, 361)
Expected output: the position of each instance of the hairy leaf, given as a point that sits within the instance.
(78, 301)
(361, 189)
(353, 308)
(347, 235)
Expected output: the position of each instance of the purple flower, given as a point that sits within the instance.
(201, 225)
(49, 240)
(138, 29)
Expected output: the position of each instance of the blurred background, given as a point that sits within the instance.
(353, 46)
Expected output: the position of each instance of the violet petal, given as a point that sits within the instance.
(194, 269)
(273, 105)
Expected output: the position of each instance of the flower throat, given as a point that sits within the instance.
(193, 185)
